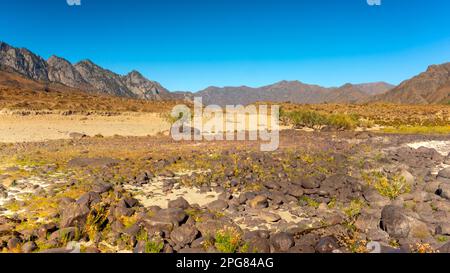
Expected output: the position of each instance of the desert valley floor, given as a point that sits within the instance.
(103, 190)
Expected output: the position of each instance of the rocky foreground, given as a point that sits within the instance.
(320, 192)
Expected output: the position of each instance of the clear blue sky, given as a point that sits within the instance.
(192, 44)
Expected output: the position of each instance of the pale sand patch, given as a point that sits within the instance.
(36, 128)
(442, 147)
(152, 194)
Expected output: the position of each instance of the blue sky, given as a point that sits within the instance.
(192, 44)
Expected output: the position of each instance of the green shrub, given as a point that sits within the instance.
(354, 208)
(316, 120)
(393, 187)
(310, 119)
(228, 240)
(152, 245)
(341, 122)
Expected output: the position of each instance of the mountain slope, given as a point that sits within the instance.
(291, 91)
(23, 61)
(431, 86)
(84, 75)
(62, 71)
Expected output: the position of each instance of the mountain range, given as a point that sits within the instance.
(292, 91)
(432, 86)
(84, 75)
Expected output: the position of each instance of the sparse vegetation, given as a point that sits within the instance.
(152, 245)
(228, 240)
(96, 221)
(432, 130)
(309, 201)
(390, 187)
(318, 120)
(354, 208)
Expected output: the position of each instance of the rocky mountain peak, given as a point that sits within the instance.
(431, 86)
(24, 62)
(60, 70)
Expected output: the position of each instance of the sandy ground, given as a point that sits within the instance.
(35, 128)
(52, 126)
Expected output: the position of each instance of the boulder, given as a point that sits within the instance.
(184, 235)
(398, 224)
(179, 203)
(210, 227)
(29, 247)
(258, 202)
(74, 215)
(327, 245)
(282, 242)
(444, 191)
(310, 183)
(64, 234)
(218, 205)
(395, 222)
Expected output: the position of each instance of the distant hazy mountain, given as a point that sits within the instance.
(292, 91)
(431, 86)
(84, 75)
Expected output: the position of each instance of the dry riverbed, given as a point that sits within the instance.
(32, 127)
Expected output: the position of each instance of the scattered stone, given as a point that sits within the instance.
(77, 136)
(184, 235)
(443, 229)
(218, 205)
(13, 243)
(99, 162)
(327, 245)
(210, 227)
(64, 234)
(445, 248)
(258, 202)
(270, 217)
(102, 187)
(29, 247)
(179, 203)
(74, 215)
(282, 242)
(395, 222)
(444, 175)
(444, 191)
(310, 183)
(258, 245)
(88, 199)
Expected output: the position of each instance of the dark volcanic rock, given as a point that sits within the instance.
(310, 183)
(179, 203)
(217, 205)
(184, 235)
(258, 202)
(100, 162)
(29, 247)
(74, 215)
(395, 222)
(327, 245)
(282, 242)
